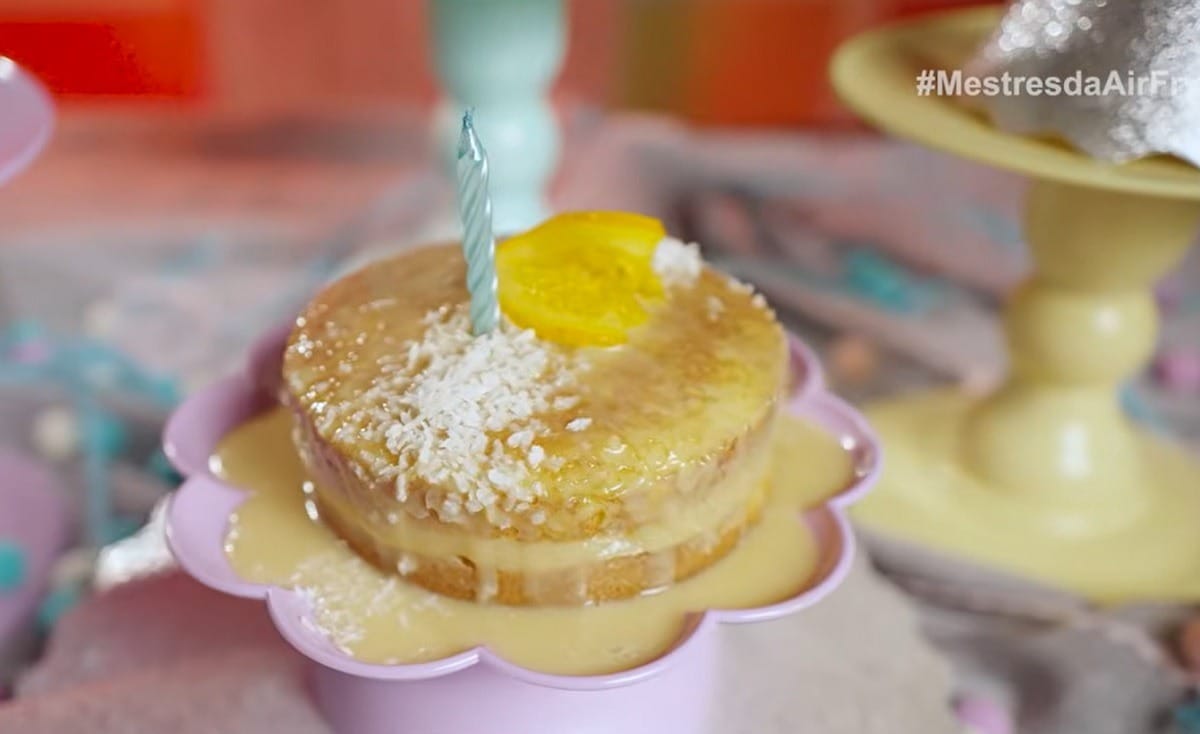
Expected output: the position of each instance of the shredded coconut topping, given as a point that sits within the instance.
(676, 263)
(345, 595)
(461, 412)
(579, 424)
(714, 307)
(736, 286)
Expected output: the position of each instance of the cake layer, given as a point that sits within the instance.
(600, 441)
(438, 556)
(618, 576)
(402, 533)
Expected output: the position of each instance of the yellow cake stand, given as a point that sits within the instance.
(1046, 476)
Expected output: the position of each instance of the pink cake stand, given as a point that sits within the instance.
(34, 515)
(26, 118)
(33, 512)
(477, 691)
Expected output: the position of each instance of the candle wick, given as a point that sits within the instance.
(468, 141)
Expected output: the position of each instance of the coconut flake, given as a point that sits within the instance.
(461, 412)
(676, 263)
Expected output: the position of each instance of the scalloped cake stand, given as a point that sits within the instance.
(477, 691)
(35, 516)
(31, 511)
(1045, 476)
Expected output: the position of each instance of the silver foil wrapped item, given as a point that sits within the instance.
(1118, 79)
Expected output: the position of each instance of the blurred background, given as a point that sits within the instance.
(739, 62)
(206, 145)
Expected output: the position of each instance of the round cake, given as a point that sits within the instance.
(610, 437)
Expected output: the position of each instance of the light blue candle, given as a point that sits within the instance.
(478, 240)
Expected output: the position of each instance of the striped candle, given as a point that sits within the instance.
(478, 241)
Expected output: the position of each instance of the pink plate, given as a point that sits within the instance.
(477, 691)
(26, 118)
(35, 516)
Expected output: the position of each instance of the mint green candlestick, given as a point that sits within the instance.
(478, 241)
(500, 57)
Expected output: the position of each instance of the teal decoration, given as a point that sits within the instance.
(14, 566)
(57, 603)
(160, 466)
(105, 433)
(862, 274)
(1187, 717)
(87, 370)
(23, 331)
(478, 241)
(123, 526)
(501, 58)
(97, 502)
(877, 279)
(82, 364)
(201, 255)
(1137, 408)
(161, 390)
(999, 228)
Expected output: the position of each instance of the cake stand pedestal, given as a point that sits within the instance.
(1045, 476)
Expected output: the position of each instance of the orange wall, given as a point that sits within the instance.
(108, 47)
(713, 61)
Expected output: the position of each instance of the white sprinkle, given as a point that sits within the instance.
(536, 455)
(460, 412)
(497, 478)
(486, 496)
(715, 308)
(451, 508)
(737, 286)
(579, 424)
(520, 439)
(566, 402)
(677, 264)
(488, 586)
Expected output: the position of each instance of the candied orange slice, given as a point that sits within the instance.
(581, 278)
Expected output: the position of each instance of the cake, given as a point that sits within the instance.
(610, 438)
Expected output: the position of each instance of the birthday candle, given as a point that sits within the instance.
(478, 242)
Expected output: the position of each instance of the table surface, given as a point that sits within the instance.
(154, 653)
